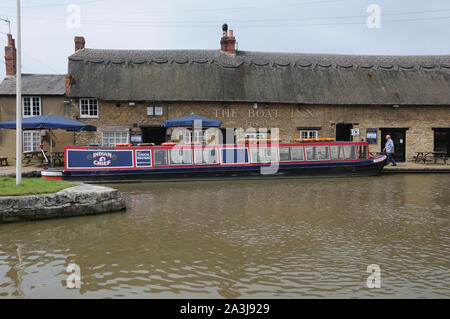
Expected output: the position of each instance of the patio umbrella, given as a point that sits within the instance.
(49, 122)
(188, 121)
(191, 120)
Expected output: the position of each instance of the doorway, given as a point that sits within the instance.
(442, 140)
(151, 134)
(344, 132)
(398, 136)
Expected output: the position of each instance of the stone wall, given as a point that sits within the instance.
(420, 120)
(75, 201)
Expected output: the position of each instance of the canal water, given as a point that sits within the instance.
(291, 238)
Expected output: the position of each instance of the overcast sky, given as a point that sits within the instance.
(408, 27)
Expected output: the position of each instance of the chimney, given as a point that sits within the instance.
(228, 41)
(68, 80)
(11, 56)
(79, 43)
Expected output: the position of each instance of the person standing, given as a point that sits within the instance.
(389, 148)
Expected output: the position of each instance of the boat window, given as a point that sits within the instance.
(350, 152)
(206, 156)
(234, 155)
(180, 156)
(336, 152)
(285, 154)
(297, 153)
(317, 153)
(362, 151)
(160, 157)
(262, 154)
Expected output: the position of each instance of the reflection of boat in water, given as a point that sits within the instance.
(189, 162)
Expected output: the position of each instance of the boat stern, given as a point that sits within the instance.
(52, 174)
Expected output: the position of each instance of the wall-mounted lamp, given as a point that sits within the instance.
(395, 105)
(255, 106)
(131, 103)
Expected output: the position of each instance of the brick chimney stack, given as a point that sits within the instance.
(11, 56)
(228, 41)
(68, 78)
(79, 43)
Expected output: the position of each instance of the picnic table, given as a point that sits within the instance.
(58, 157)
(430, 156)
(3, 160)
(29, 156)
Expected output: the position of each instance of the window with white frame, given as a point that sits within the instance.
(88, 108)
(31, 141)
(31, 106)
(186, 136)
(111, 138)
(309, 134)
(198, 136)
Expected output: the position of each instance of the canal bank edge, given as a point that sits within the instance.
(79, 200)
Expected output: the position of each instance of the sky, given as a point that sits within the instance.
(402, 27)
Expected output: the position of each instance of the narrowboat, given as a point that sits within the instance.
(227, 161)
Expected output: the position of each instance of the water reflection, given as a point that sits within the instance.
(283, 238)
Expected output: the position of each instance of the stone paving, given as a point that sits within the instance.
(411, 167)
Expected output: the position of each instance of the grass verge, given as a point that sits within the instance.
(31, 186)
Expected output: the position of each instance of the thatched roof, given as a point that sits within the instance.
(35, 84)
(210, 75)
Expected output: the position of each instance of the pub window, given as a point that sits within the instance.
(111, 138)
(350, 152)
(442, 140)
(317, 153)
(160, 157)
(31, 141)
(180, 156)
(285, 154)
(206, 156)
(337, 152)
(185, 136)
(198, 136)
(154, 110)
(31, 106)
(297, 153)
(309, 134)
(262, 154)
(88, 108)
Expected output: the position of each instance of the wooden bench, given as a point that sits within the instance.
(3, 160)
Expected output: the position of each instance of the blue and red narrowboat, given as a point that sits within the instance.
(193, 162)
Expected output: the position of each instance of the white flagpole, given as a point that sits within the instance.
(18, 103)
